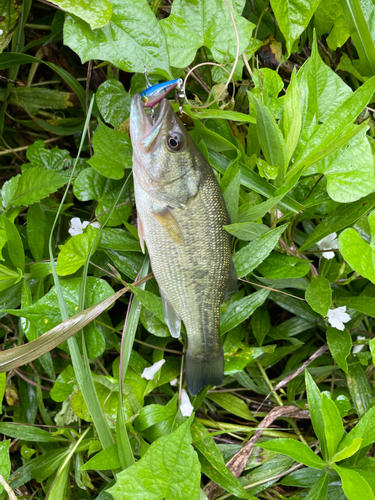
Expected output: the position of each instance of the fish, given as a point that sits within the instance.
(181, 213)
(153, 95)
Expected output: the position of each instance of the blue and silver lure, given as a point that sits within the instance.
(153, 95)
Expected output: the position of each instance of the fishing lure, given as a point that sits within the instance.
(154, 94)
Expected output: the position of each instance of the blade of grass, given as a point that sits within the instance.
(360, 33)
(82, 371)
(130, 327)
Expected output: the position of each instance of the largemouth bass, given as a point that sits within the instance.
(181, 214)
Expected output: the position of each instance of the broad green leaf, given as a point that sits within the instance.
(292, 117)
(343, 216)
(349, 170)
(112, 152)
(8, 277)
(222, 114)
(36, 230)
(113, 102)
(97, 13)
(11, 11)
(231, 403)
(74, 253)
(365, 430)
(90, 185)
(213, 465)
(4, 461)
(320, 489)
(348, 451)
(120, 240)
(45, 314)
(53, 159)
(28, 433)
(248, 212)
(359, 387)
(314, 397)
(293, 17)
(152, 414)
(239, 311)
(249, 257)
(365, 305)
(319, 295)
(104, 460)
(336, 126)
(169, 469)
(358, 254)
(133, 30)
(247, 231)
(322, 90)
(15, 246)
(149, 300)
(270, 136)
(340, 345)
(237, 361)
(260, 323)
(32, 186)
(334, 429)
(64, 384)
(230, 186)
(353, 484)
(279, 266)
(300, 452)
(204, 24)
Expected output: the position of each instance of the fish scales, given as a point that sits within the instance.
(181, 214)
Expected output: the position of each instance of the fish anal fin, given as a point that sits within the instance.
(173, 321)
(232, 285)
(202, 370)
(141, 234)
(169, 224)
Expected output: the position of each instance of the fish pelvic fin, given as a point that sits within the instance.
(202, 370)
(169, 224)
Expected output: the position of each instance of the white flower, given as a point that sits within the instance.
(76, 226)
(329, 241)
(1, 32)
(337, 317)
(358, 348)
(149, 373)
(174, 382)
(186, 407)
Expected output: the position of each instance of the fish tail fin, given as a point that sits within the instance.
(203, 369)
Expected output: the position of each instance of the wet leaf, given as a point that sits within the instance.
(204, 24)
(132, 30)
(97, 13)
(75, 252)
(113, 102)
(112, 152)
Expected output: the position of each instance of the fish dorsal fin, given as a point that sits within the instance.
(173, 321)
(169, 224)
(232, 286)
(141, 234)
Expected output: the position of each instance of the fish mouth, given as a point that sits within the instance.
(141, 127)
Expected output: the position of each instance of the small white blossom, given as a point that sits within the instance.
(358, 348)
(76, 226)
(174, 382)
(149, 373)
(337, 317)
(1, 32)
(329, 241)
(186, 407)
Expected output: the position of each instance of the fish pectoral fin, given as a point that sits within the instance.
(169, 224)
(173, 321)
(232, 285)
(141, 234)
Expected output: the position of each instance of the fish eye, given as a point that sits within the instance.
(174, 142)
